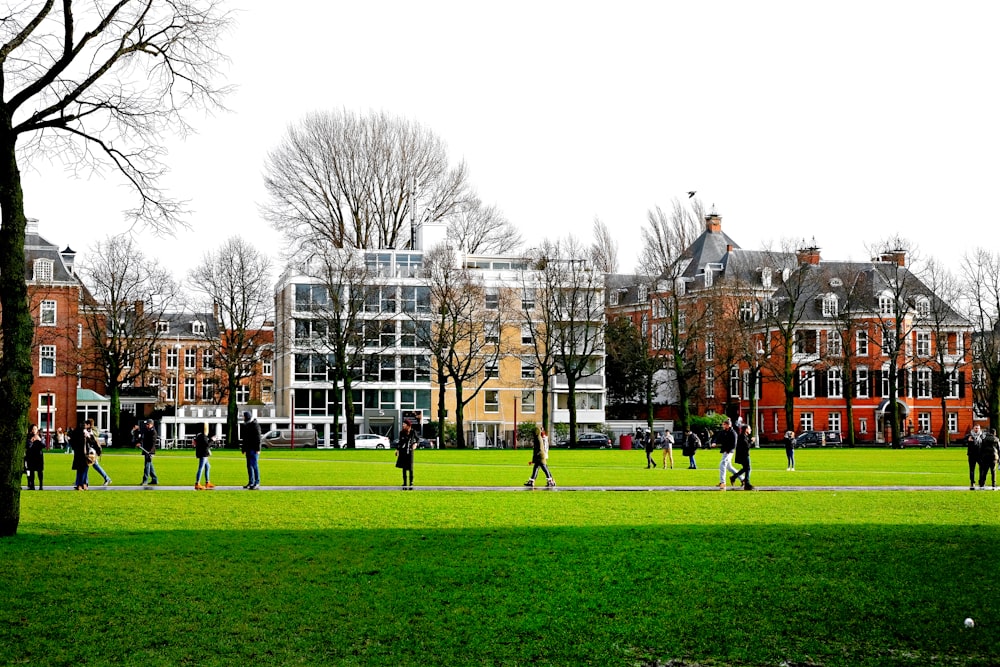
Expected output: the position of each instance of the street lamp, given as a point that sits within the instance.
(177, 386)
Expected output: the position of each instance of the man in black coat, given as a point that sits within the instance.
(251, 449)
(726, 440)
(989, 454)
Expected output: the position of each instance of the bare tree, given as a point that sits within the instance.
(573, 293)
(131, 293)
(982, 285)
(604, 251)
(468, 336)
(477, 229)
(355, 181)
(668, 235)
(97, 83)
(235, 283)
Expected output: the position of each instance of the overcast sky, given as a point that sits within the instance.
(846, 122)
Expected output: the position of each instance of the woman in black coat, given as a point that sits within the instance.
(789, 441)
(78, 441)
(742, 458)
(34, 459)
(690, 448)
(404, 452)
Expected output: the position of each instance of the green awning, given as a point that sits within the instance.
(90, 396)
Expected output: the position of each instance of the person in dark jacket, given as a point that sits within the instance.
(147, 444)
(989, 454)
(34, 458)
(744, 442)
(539, 457)
(648, 445)
(789, 441)
(202, 450)
(405, 445)
(972, 447)
(81, 465)
(726, 440)
(690, 447)
(251, 449)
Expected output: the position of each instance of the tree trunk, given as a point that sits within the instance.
(17, 329)
(442, 409)
(232, 415)
(348, 412)
(459, 417)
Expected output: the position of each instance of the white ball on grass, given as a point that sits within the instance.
(969, 623)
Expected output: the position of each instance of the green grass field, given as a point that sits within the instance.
(497, 578)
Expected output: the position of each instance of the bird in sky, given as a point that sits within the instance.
(690, 193)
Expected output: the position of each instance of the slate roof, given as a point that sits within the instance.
(36, 247)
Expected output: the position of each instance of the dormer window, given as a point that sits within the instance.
(162, 327)
(198, 328)
(613, 298)
(42, 270)
(765, 278)
(923, 307)
(886, 304)
(643, 293)
(830, 305)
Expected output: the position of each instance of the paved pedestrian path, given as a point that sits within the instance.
(522, 489)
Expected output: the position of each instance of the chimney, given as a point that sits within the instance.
(808, 255)
(68, 256)
(139, 308)
(729, 248)
(31, 226)
(713, 223)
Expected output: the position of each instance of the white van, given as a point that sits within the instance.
(304, 437)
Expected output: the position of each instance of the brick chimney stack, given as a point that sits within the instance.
(713, 223)
(808, 255)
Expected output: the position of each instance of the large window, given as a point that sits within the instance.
(862, 346)
(886, 304)
(833, 421)
(47, 360)
(207, 390)
(830, 305)
(172, 355)
(861, 385)
(387, 334)
(310, 367)
(189, 357)
(834, 383)
(528, 401)
(491, 400)
(709, 383)
(492, 370)
(923, 383)
(528, 368)
(189, 385)
(923, 343)
(43, 270)
(311, 297)
(47, 313)
(806, 421)
(834, 344)
(807, 383)
(923, 422)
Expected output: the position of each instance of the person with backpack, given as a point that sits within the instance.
(972, 446)
(690, 447)
(989, 454)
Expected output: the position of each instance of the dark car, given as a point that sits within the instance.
(918, 440)
(818, 438)
(592, 441)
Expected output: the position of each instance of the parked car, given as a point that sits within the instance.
(303, 437)
(818, 438)
(592, 441)
(918, 440)
(368, 441)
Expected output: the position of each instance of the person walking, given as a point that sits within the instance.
(539, 457)
(34, 458)
(147, 443)
(726, 440)
(972, 447)
(668, 449)
(62, 441)
(744, 442)
(405, 445)
(789, 441)
(95, 444)
(80, 463)
(648, 445)
(251, 449)
(690, 448)
(202, 450)
(989, 454)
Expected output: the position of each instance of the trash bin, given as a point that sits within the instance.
(625, 441)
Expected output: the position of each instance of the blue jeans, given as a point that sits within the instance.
(100, 471)
(544, 468)
(148, 472)
(203, 464)
(253, 469)
(81, 478)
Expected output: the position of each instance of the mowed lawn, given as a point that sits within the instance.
(365, 577)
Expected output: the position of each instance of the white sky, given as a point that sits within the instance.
(848, 122)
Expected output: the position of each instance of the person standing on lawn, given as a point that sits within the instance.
(668, 449)
(251, 449)
(202, 450)
(972, 447)
(726, 440)
(147, 444)
(405, 445)
(789, 441)
(989, 454)
(62, 441)
(34, 458)
(648, 445)
(80, 463)
(744, 442)
(539, 457)
(690, 448)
